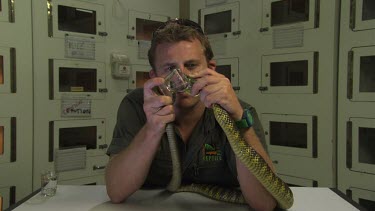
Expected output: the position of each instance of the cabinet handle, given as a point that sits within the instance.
(275, 162)
(96, 167)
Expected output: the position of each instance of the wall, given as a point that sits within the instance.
(60, 88)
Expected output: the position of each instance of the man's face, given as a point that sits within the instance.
(185, 55)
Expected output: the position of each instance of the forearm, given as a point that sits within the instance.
(254, 192)
(127, 171)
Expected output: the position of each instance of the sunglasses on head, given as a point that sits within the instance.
(182, 22)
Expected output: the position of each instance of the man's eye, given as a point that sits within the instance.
(190, 66)
(171, 68)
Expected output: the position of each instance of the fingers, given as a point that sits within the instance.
(215, 88)
(206, 83)
(158, 108)
(157, 101)
(204, 72)
(150, 84)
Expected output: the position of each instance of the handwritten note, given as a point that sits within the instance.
(75, 106)
(79, 47)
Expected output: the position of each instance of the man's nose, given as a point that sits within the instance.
(184, 70)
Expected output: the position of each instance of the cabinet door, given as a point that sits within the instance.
(76, 18)
(366, 198)
(229, 68)
(290, 134)
(361, 145)
(361, 74)
(362, 15)
(286, 13)
(7, 70)
(141, 26)
(7, 140)
(221, 22)
(7, 197)
(6, 11)
(77, 78)
(292, 73)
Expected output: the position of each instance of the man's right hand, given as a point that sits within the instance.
(158, 108)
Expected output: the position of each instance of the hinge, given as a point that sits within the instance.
(352, 15)
(49, 18)
(103, 146)
(263, 88)
(51, 141)
(315, 136)
(316, 72)
(13, 74)
(349, 144)
(13, 140)
(130, 37)
(96, 167)
(349, 193)
(236, 33)
(11, 12)
(236, 88)
(103, 34)
(350, 75)
(317, 13)
(104, 90)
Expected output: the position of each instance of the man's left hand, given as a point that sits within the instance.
(215, 88)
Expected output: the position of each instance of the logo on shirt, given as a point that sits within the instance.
(211, 153)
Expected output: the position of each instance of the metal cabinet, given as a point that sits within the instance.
(356, 119)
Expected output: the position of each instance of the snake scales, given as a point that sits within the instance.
(246, 154)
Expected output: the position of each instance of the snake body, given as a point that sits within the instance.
(246, 154)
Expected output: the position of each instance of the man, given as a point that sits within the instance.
(139, 150)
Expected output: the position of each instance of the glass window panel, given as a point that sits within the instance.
(368, 10)
(369, 205)
(144, 28)
(292, 73)
(289, 11)
(1, 140)
(226, 70)
(288, 134)
(76, 20)
(366, 145)
(1, 70)
(367, 74)
(141, 77)
(78, 136)
(77, 79)
(217, 23)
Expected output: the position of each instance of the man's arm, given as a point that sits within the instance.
(253, 191)
(127, 170)
(216, 88)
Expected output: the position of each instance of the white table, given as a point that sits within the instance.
(94, 198)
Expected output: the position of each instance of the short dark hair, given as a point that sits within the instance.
(178, 30)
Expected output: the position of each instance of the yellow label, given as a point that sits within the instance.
(76, 88)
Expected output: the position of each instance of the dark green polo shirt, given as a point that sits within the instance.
(206, 158)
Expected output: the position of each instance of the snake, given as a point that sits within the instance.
(245, 153)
